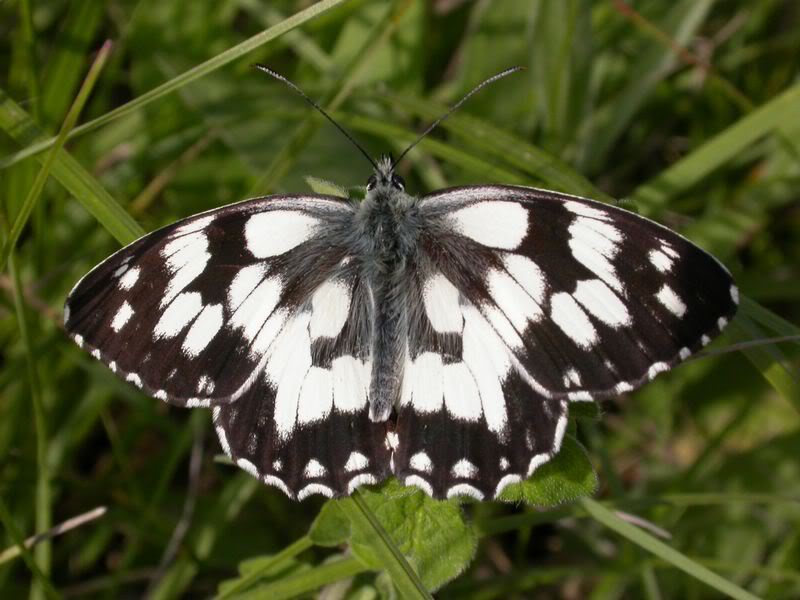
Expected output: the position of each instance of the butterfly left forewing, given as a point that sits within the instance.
(188, 312)
(561, 299)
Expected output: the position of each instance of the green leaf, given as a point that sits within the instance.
(323, 186)
(567, 477)
(431, 534)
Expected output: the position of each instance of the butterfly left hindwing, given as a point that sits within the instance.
(528, 300)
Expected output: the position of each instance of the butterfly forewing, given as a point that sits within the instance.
(549, 298)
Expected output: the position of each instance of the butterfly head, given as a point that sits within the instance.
(384, 177)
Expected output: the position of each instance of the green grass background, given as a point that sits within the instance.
(689, 111)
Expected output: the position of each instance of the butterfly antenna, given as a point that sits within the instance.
(280, 77)
(477, 88)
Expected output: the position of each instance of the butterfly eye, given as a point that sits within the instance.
(371, 182)
(398, 182)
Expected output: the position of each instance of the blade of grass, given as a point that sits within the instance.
(69, 173)
(292, 550)
(44, 172)
(660, 549)
(307, 581)
(218, 61)
(721, 148)
(403, 575)
(44, 517)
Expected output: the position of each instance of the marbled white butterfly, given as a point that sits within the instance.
(439, 339)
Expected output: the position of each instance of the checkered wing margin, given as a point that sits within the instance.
(524, 300)
(254, 310)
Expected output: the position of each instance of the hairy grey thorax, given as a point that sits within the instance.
(388, 231)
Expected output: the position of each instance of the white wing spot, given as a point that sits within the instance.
(356, 462)
(671, 301)
(685, 353)
(278, 483)
(660, 261)
(161, 395)
(602, 302)
(186, 258)
(274, 232)
(359, 480)
(244, 283)
(536, 462)
(623, 387)
(314, 469)
(330, 306)
(566, 313)
(722, 323)
(441, 305)
(277, 465)
(203, 330)
(657, 368)
(257, 307)
(426, 380)
(495, 224)
(571, 377)
(419, 482)
(350, 383)
(316, 396)
(314, 488)
(421, 462)
(134, 379)
(506, 481)
(246, 465)
(517, 304)
(461, 397)
(705, 340)
(465, 489)
(286, 369)
(130, 278)
(96, 354)
(734, 297)
(504, 464)
(464, 469)
(584, 210)
(183, 309)
(124, 313)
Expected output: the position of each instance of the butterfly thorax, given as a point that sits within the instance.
(388, 229)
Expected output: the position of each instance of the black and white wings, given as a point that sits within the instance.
(525, 300)
(256, 311)
(513, 302)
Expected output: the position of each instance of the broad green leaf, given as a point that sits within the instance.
(431, 534)
(567, 477)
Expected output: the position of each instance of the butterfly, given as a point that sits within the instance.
(438, 339)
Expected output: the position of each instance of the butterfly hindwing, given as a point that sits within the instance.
(550, 299)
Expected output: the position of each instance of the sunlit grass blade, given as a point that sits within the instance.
(721, 148)
(181, 80)
(658, 548)
(44, 172)
(69, 173)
